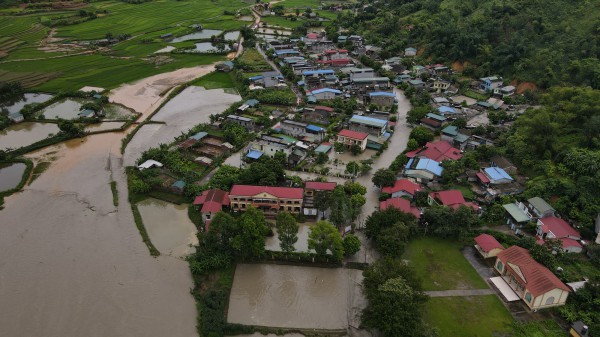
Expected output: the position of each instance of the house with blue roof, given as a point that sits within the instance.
(382, 98)
(488, 84)
(178, 187)
(318, 72)
(287, 52)
(372, 126)
(423, 169)
(495, 176)
(325, 93)
(446, 110)
(410, 51)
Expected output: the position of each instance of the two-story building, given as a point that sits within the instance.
(266, 198)
(325, 94)
(488, 84)
(317, 114)
(350, 138)
(247, 123)
(372, 126)
(382, 98)
(293, 128)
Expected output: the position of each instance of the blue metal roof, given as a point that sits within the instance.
(410, 161)
(199, 135)
(300, 83)
(430, 165)
(287, 51)
(323, 148)
(318, 72)
(318, 91)
(252, 102)
(446, 110)
(179, 184)
(258, 77)
(496, 173)
(368, 120)
(382, 93)
(314, 128)
(253, 154)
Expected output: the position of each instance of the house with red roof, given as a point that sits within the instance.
(211, 202)
(350, 138)
(401, 204)
(269, 199)
(487, 245)
(402, 188)
(557, 228)
(537, 286)
(450, 198)
(438, 151)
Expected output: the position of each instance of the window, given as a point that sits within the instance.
(499, 265)
(550, 300)
(528, 297)
(207, 216)
(244, 206)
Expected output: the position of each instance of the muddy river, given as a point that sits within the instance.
(169, 227)
(295, 297)
(27, 133)
(11, 175)
(192, 106)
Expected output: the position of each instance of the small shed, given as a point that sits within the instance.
(487, 245)
(148, 164)
(178, 186)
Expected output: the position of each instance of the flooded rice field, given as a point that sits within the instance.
(208, 47)
(272, 243)
(204, 34)
(169, 227)
(295, 297)
(11, 175)
(272, 31)
(232, 36)
(65, 109)
(28, 98)
(104, 126)
(116, 111)
(192, 106)
(27, 133)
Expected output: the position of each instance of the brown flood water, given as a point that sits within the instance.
(272, 243)
(169, 227)
(295, 297)
(11, 175)
(27, 133)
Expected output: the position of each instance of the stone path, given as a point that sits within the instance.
(467, 292)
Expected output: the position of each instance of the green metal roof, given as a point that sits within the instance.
(516, 213)
(540, 204)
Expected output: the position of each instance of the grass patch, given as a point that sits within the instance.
(38, 170)
(115, 193)
(283, 21)
(476, 316)
(464, 189)
(475, 95)
(252, 61)
(441, 265)
(168, 197)
(194, 215)
(215, 80)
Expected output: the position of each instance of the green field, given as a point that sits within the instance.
(74, 67)
(215, 80)
(441, 265)
(282, 21)
(474, 316)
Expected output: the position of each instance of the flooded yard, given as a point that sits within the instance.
(192, 106)
(23, 134)
(28, 98)
(272, 243)
(169, 227)
(11, 175)
(295, 297)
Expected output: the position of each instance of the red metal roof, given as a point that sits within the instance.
(440, 151)
(279, 192)
(401, 204)
(212, 201)
(482, 177)
(324, 108)
(559, 227)
(488, 242)
(353, 134)
(449, 198)
(431, 122)
(320, 186)
(312, 36)
(402, 185)
(567, 242)
(538, 279)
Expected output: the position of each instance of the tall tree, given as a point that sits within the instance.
(250, 242)
(322, 200)
(340, 207)
(325, 237)
(384, 177)
(287, 230)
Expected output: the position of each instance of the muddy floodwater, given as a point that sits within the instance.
(232, 36)
(169, 227)
(65, 109)
(104, 126)
(207, 47)
(295, 297)
(11, 175)
(26, 99)
(23, 134)
(192, 106)
(272, 243)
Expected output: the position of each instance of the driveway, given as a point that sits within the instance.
(478, 263)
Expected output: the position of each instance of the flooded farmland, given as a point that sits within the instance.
(104, 126)
(295, 297)
(169, 227)
(192, 106)
(65, 109)
(207, 47)
(11, 175)
(27, 133)
(28, 98)
(204, 34)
